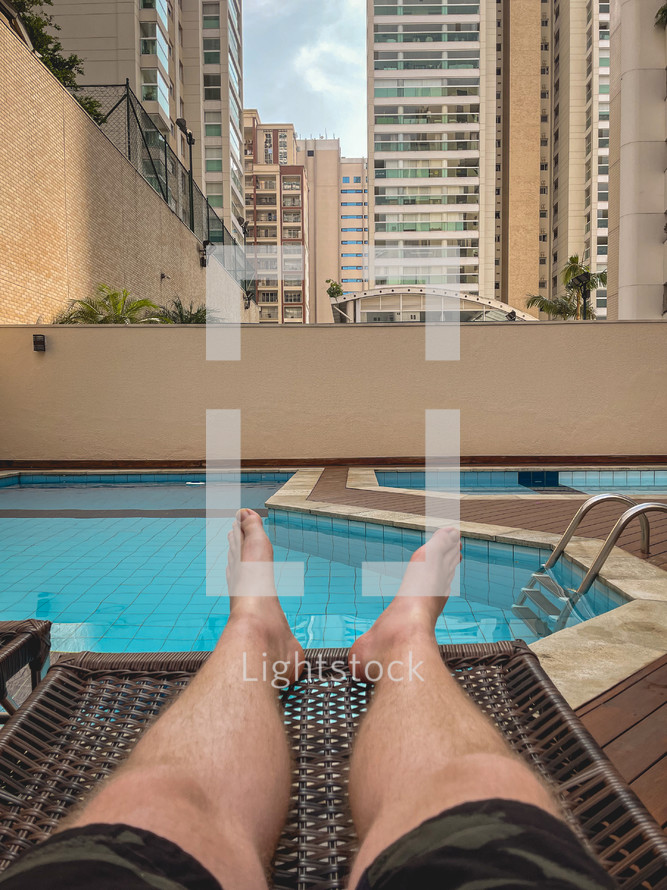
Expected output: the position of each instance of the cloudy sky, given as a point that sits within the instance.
(305, 64)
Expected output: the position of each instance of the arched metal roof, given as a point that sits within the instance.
(398, 290)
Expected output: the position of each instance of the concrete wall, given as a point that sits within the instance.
(333, 391)
(74, 212)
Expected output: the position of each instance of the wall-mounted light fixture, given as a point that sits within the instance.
(203, 259)
(39, 342)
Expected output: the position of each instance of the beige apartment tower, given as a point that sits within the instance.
(637, 282)
(454, 135)
(183, 59)
(488, 143)
(276, 208)
(574, 186)
(338, 224)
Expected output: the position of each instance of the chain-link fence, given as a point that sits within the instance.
(131, 129)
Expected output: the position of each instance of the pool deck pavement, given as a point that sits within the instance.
(531, 512)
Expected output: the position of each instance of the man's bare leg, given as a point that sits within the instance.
(424, 746)
(213, 774)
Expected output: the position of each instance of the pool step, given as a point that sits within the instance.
(531, 620)
(542, 604)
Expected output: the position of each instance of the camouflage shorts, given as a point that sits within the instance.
(487, 845)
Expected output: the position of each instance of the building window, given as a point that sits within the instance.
(357, 178)
(161, 7)
(212, 84)
(211, 50)
(213, 123)
(293, 311)
(214, 193)
(268, 148)
(211, 15)
(213, 158)
(148, 38)
(282, 147)
(294, 297)
(346, 179)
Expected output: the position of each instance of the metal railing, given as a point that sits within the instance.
(582, 511)
(637, 510)
(127, 124)
(563, 601)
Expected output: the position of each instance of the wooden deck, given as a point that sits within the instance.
(547, 514)
(629, 722)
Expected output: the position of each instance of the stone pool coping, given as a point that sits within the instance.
(584, 660)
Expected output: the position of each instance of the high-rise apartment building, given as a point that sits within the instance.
(321, 160)
(454, 167)
(183, 59)
(337, 222)
(637, 282)
(574, 187)
(354, 225)
(276, 209)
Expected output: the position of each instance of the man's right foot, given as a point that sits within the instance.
(411, 616)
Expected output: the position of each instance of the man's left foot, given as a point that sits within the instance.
(254, 603)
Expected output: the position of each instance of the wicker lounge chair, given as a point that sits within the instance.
(85, 717)
(22, 644)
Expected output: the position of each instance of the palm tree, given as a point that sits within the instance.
(110, 306)
(572, 270)
(563, 307)
(177, 313)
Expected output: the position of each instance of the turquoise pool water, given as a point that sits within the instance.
(529, 481)
(120, 566)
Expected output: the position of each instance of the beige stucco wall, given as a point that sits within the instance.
(333, 391)
(74, 212)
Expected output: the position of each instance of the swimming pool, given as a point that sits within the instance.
(120, 566)
(529, 481)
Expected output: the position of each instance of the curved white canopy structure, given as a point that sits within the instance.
(426, 299)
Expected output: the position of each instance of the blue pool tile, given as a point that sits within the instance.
(357, 529)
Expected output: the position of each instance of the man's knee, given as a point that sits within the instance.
(138, 791)
(488, 776)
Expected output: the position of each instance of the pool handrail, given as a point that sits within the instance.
(583, 510)
(638, 510)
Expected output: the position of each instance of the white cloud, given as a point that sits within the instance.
(333, 65)
(306, 62)
(270, 8)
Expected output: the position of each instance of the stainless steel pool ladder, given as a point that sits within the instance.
(553, 601)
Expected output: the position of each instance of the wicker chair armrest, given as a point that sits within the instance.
(29, 644)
